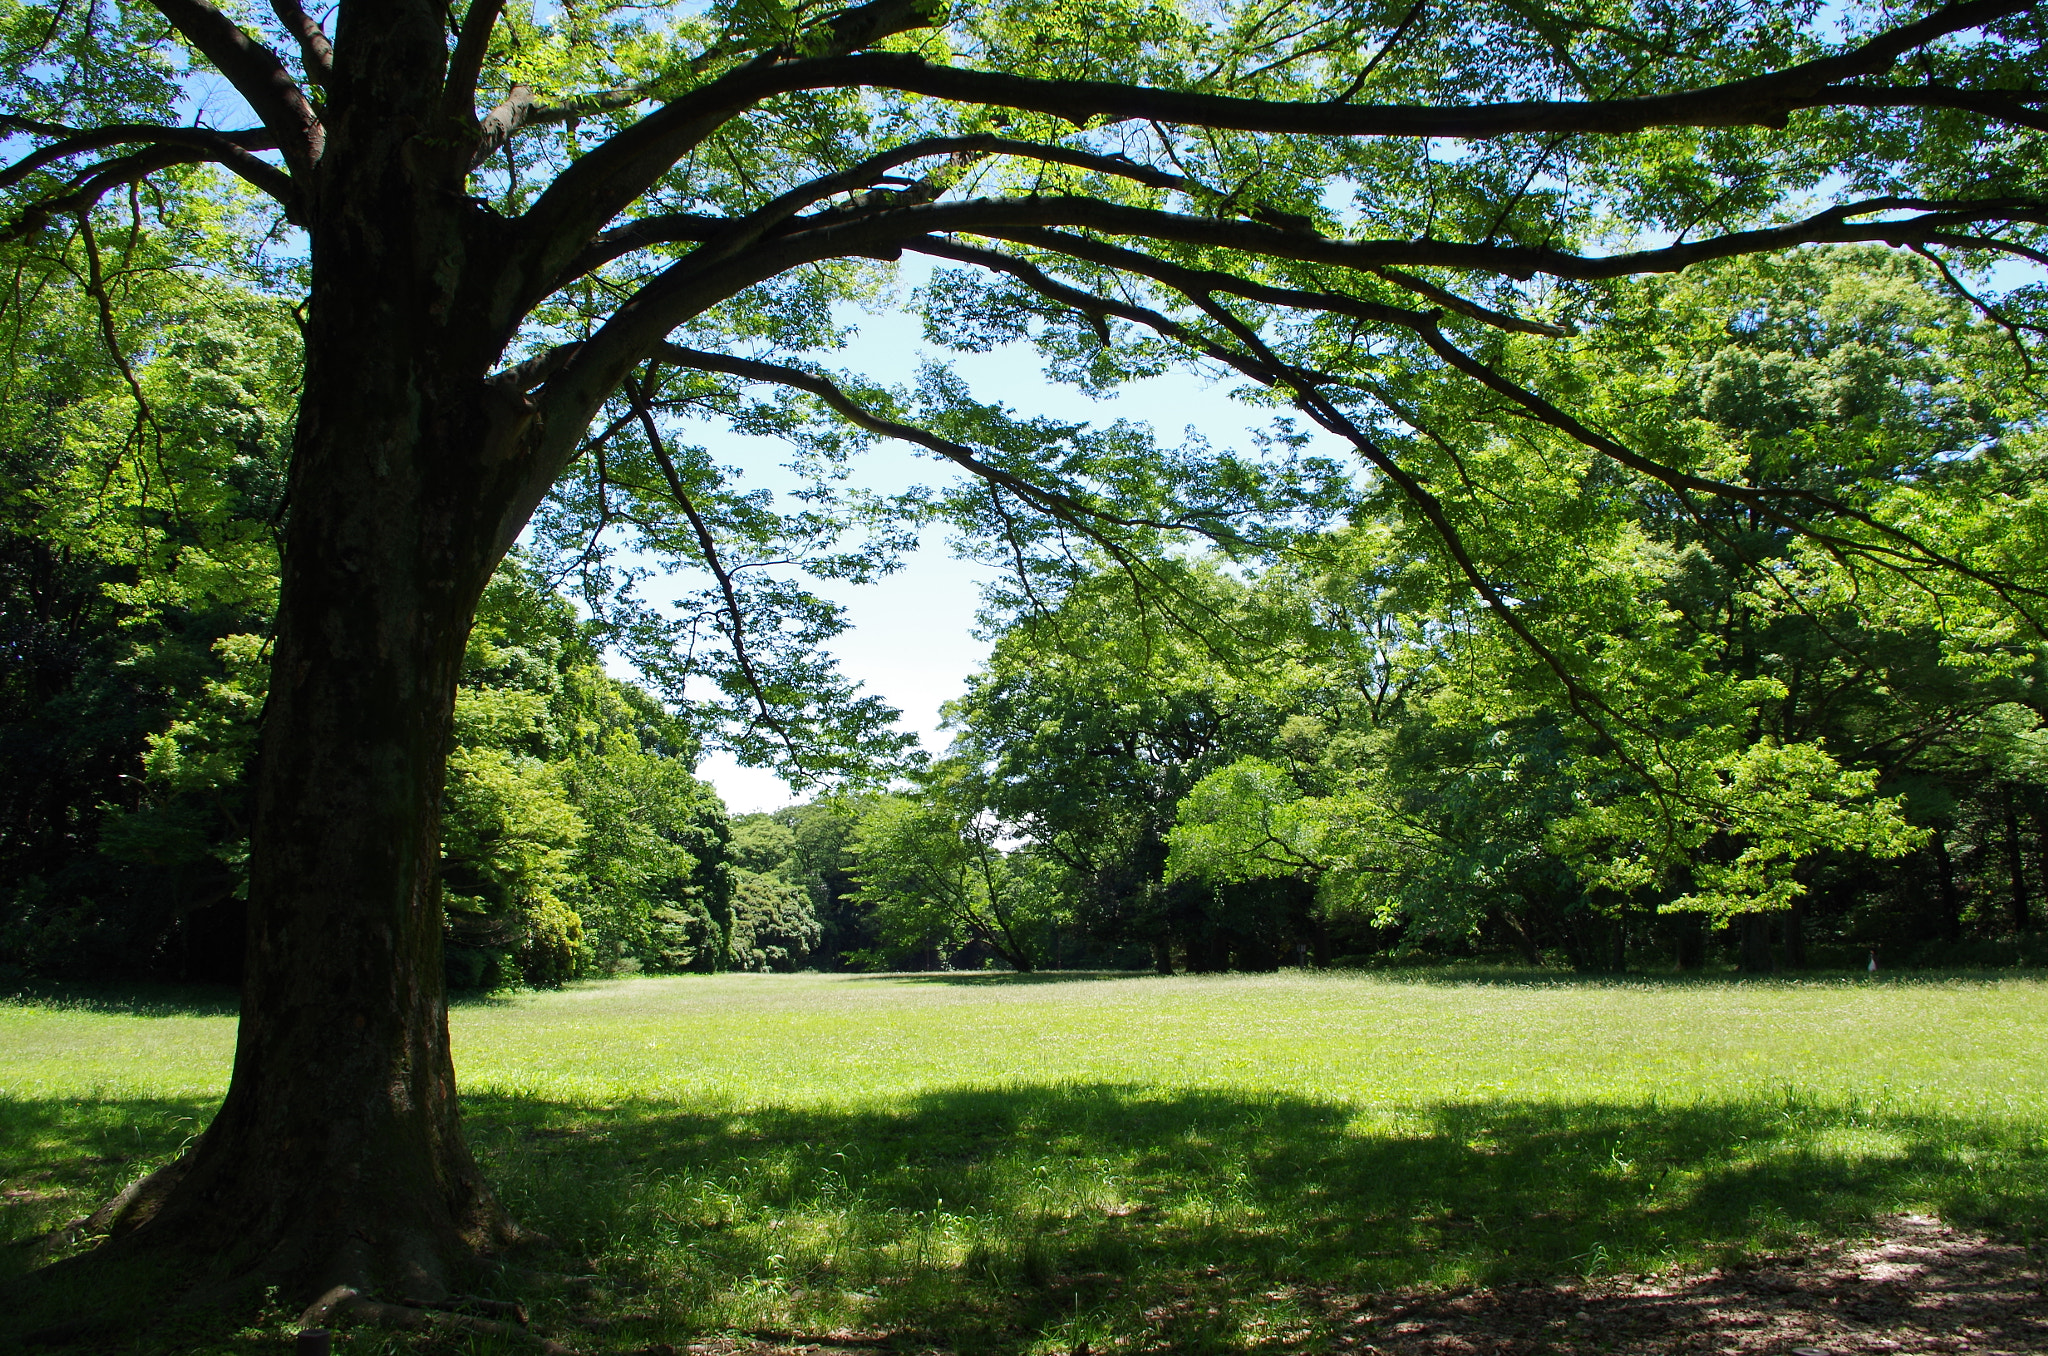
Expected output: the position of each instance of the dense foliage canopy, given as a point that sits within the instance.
(1610, 544)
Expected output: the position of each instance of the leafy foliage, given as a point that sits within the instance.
(142, 512)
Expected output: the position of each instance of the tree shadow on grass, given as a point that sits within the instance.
(996, 1219)
(993, 1219)
(61, 1157)
(134, 1000)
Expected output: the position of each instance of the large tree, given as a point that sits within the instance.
(523, 222)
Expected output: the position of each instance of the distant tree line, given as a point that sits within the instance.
(1686, 735)
(1680, 733)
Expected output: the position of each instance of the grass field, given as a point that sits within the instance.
(1008, 1164)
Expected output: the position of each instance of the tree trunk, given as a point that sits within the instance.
(1794, 926)
(1691, 942)
(2016, 865)
(1518, 936)
(1951, 902)
(337, 1156)
(1753, 935)
(2039, 811)
(1574, 952)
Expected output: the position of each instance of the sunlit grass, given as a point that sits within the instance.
(1189, 1164)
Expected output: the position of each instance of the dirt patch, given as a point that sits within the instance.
(1925, 1288)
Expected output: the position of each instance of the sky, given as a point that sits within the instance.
(912, 635)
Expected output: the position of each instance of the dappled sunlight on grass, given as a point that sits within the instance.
(990, 1218)
(1193, 1165)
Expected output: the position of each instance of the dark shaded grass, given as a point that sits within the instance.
(1028, 1218)
(1209, 1201)
(134, 1000)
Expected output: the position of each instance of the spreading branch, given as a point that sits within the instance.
(316, 53)
(256, 73)
(466, 62)
(707, 545)
(162, 148)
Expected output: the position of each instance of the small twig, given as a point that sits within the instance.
(735, 614)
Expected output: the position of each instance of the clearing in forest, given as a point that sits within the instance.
(1291, 1162)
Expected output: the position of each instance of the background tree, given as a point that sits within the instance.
(822, 832)
(932, 870)
(146, 551)
(509, 215)
(1744, 659)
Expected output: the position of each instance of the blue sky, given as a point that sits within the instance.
(912, 638)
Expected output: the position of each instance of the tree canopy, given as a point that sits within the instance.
(524, 245)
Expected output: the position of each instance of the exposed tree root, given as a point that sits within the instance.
(382, 1264)
(117, 1213)
(346, 1304)
(135, 1203)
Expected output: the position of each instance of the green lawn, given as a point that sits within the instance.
(1194, 1164)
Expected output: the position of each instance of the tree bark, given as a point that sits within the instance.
(337, 1157)
(2016, 864)
(1753, 934)
(1945, 877)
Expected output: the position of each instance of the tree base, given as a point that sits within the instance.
(165, 1260)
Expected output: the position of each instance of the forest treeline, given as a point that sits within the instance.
(1683, 734)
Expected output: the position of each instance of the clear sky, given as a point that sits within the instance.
(911, 639)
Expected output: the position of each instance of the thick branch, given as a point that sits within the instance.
(991, 216)
(70, 141)
(256, 73)
(604, 182)
(600, 185)
(1763, 100)
(316, 53)
(1050, 502)
(732, 234)
(94, 183)
(513, 112)
(2013, 106)
(1009, 218)
(234, 150)
(466, 62)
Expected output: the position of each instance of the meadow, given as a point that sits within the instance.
(1013, 1164)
